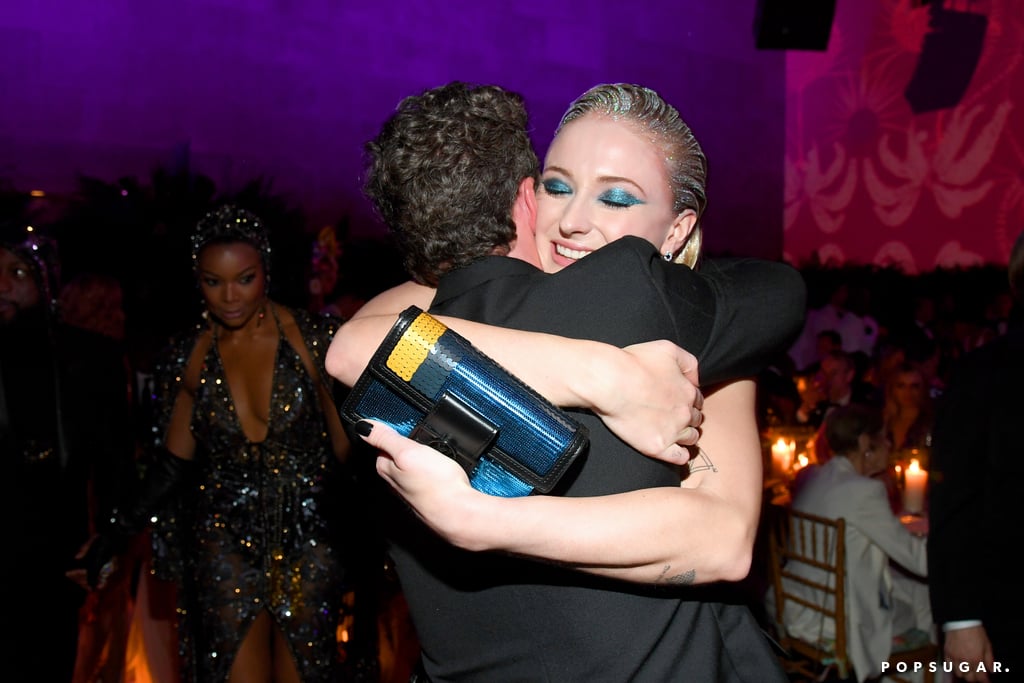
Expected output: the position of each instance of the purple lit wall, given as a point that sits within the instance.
(291, 90)
(813, 154)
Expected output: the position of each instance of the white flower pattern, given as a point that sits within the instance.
(826, 192)
(950, 170)
(882, 185)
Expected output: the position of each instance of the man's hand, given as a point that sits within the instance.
(969, 646)
(652, 401)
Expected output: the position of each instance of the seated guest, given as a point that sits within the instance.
(890, 354)
(886, 598)
(834, 384)
(908, 408)
(827, 341)
(845, 314)
(777, 393)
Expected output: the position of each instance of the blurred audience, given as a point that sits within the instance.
(884, 603)
(130, 604)
(974, 511)
(860, 330)
(344, 273)
(908, 408)
(924, 314)
(857, 331)
(94, 301)
(323, 273)
(66, 440)
(836, 383)
(777, 394)
(826, 342)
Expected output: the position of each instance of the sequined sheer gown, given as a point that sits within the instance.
(261, 529)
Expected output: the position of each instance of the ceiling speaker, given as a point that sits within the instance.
(793, 24)
(947, 61)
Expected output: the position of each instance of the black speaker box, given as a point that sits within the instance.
(947, 61)
(793, 24)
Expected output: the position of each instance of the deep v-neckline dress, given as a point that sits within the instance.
(264, 528)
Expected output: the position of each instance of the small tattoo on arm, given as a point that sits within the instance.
(687, 578)
(700, 462)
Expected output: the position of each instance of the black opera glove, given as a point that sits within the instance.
(164, 474)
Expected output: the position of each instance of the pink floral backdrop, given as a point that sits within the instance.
(867, 180)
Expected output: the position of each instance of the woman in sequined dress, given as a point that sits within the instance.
(246, 416)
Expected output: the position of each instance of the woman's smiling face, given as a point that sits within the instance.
(602, 180)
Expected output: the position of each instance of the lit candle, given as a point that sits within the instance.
(782, 457)
(913, 490)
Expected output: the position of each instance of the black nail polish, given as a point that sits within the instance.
(363, 428)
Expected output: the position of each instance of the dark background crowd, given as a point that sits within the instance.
(875, 335)
(135, 232)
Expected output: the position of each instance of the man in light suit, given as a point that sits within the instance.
(977, 465)
(881, 602)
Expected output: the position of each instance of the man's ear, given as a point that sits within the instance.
(680, 229)
(524, 215)
(524, 210)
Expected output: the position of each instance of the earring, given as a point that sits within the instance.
(667, 256)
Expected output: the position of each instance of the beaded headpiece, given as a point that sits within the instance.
(231, 223)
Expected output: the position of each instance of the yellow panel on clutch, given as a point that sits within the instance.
(411, 350)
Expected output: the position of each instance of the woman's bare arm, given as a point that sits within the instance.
(700, 532)
(646, 393)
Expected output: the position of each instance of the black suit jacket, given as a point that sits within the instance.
(975, 511)
(484, 616)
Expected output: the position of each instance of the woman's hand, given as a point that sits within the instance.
(651, 399)
(434, 485)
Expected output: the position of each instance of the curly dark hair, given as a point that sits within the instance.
(444, 171)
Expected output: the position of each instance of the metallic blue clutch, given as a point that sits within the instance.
(434, 386)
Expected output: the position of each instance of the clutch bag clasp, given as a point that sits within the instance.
(455, 429)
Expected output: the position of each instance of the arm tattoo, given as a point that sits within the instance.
(687, 578)
(700, 462)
